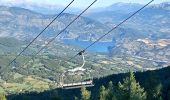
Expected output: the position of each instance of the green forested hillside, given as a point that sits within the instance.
(141, 44)
(150, 85)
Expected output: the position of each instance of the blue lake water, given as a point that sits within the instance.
(98, 47)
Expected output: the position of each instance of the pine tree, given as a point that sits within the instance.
(2, 97)
(103, 93)
(110, 86)
(153, 87)
(55, 96)
(75, 98)
(169, 95)
(130, 89)
(85, 94)
(111, 92)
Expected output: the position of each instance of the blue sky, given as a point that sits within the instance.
(77, 3)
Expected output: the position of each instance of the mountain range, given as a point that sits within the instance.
(24, 24)
(142, 43)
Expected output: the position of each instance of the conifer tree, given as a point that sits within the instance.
(112, 90)
(85, 94)
(110, 86)
(153, 87)
(2, 97)
(169, 95)
(75, 98)
(55, 96)
(130, 89)
(103, 93)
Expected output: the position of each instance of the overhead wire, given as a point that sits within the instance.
(83, 51)
(40, 33)
(112, 29)
(46, 44)
(106, 33)
(94, 41)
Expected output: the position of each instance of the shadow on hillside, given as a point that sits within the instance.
(163, 74)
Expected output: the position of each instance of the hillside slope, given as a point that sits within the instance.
(163, 75)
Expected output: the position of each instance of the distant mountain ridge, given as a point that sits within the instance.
(123, 7)
(141, 42)
(22, 23)
(146, 20)
(25, 24)
(41, 8)
(165, 5)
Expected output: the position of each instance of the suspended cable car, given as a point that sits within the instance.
(76, 72)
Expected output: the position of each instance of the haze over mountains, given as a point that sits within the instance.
(25, 24)
(142, 43)
(44, 8)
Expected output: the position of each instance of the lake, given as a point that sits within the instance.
(101, 47)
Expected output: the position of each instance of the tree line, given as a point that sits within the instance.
(149, 85)
(129, 89)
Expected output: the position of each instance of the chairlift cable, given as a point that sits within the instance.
(112, 29)
(40, 33)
